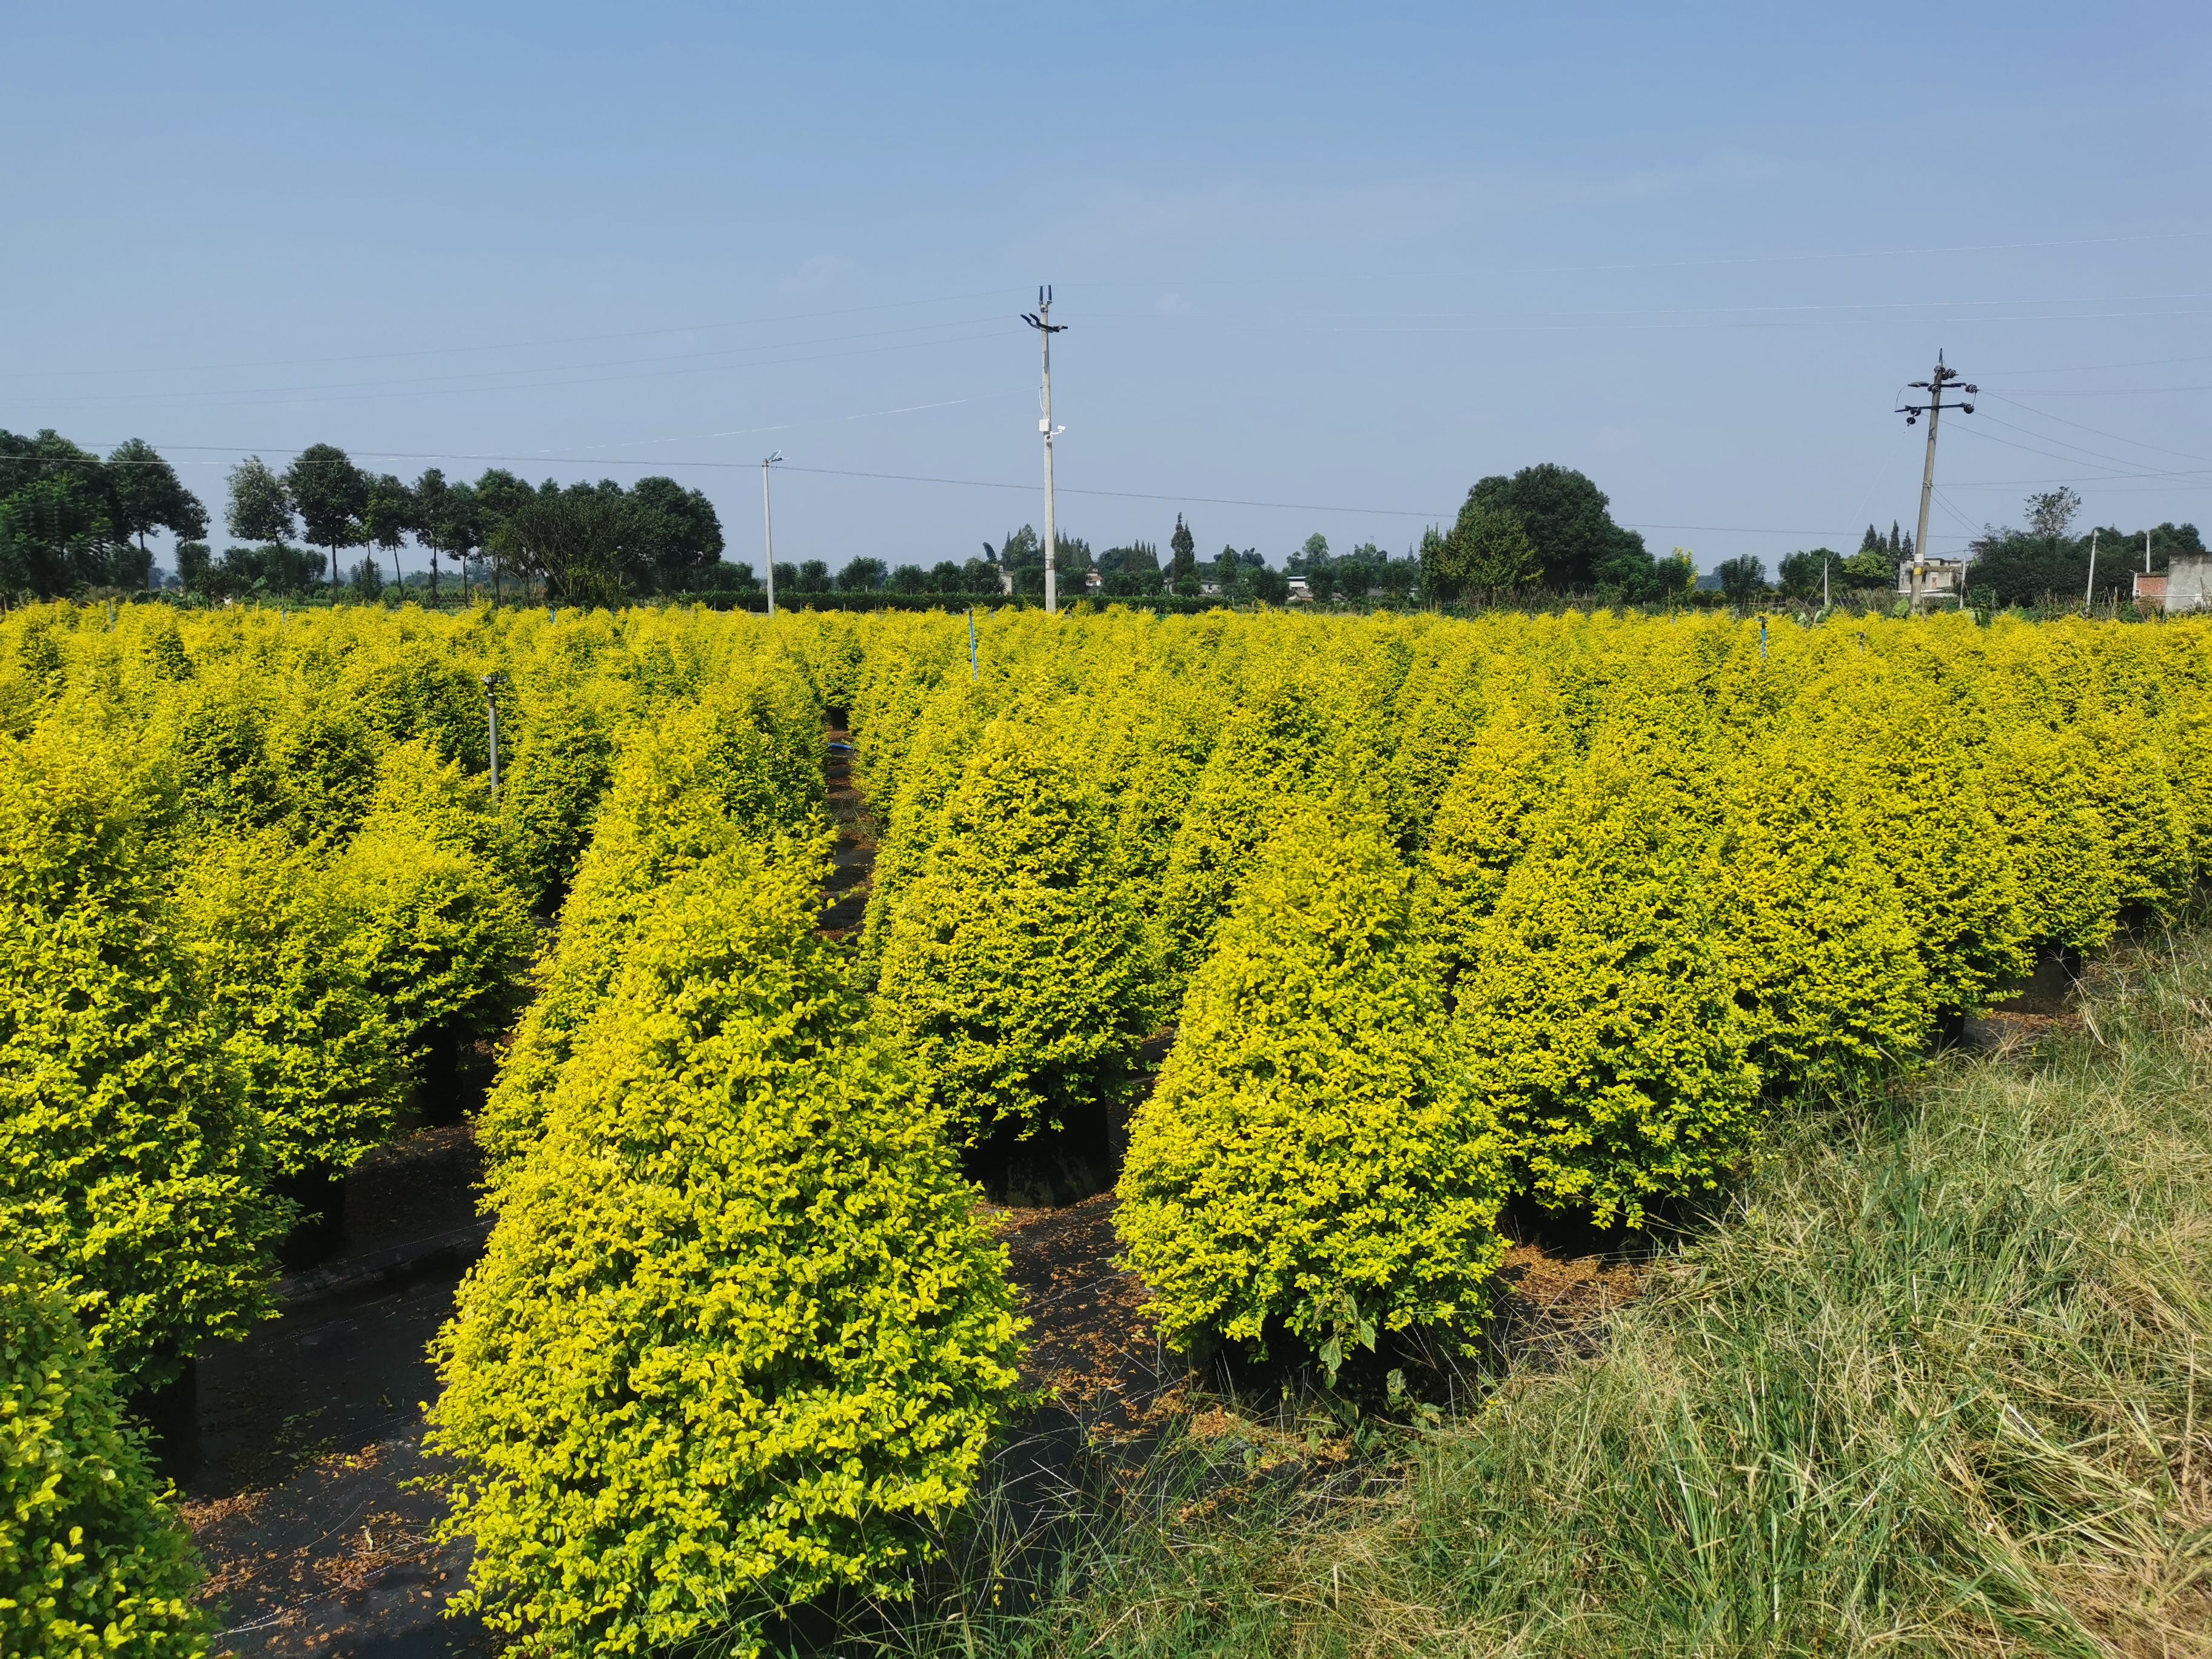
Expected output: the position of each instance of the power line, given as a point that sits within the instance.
(1839, 305)
(2075, 461)
(2083, 368)
(2097, 432)
(2135, 466)
(2104, 391)
(1878, 253)
(247, 399)
(533, 345)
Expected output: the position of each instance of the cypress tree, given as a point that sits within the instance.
(1018, 972)
(739, 1338)
(1311, 1160)
(1598, 1017)
(130, 1167)
(93, 1561)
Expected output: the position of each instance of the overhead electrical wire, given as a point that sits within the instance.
(2139, 443)
(539, 386)
(2139, 468)
(534, 345)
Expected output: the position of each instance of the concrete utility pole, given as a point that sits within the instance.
(1040, 320)
(1933, 408)
(768, 529)
(2090, 596)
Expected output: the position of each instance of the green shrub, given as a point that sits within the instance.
(1018, 974)
(739, 1338)
(1268, 753)
(265, 943)
(1598, 1017)
(441, 940)
(130, 1167)
(409, 689)
(1830, 990)
(1478, 831)
(2154, 862)
(218, 743)
(327, 758)
(436, 928)
(1916, 796)
(703, 781)
(951, 724)
(94, 1562)
(2037, 782)
(1311, 1159)
(561, 763)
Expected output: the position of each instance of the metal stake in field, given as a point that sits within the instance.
(1040, 320)
(1933, 408)
(768, 529)
(491, 716)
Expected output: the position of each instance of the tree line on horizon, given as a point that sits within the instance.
(73, 521)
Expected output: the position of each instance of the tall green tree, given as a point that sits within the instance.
(388, 517)
(586, 545)
(69, 520)
(1182, 560)
(1743, 579)
(330, 494)
(449, 520)
(1567, 517)
(147, 494)
(681, 532)
(1489, 551)
(260, 507)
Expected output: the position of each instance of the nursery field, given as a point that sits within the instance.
(892, 1061)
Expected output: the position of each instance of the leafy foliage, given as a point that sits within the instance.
(93, 1561)
(1598, 1015)
(1018, 974)
(1312, 1160)
(738, 1337)
(269, 953)
(131, 1168)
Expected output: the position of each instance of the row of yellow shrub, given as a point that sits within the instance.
(1663, 875)
(739, 1338)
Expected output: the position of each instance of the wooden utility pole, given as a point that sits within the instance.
(1933, 408)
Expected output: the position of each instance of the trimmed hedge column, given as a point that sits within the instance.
(94, 1562)
(1312, 1162)
(739, 1338)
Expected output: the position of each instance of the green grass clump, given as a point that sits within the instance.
(1938, 1384)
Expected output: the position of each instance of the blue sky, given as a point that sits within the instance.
(1346, 260)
